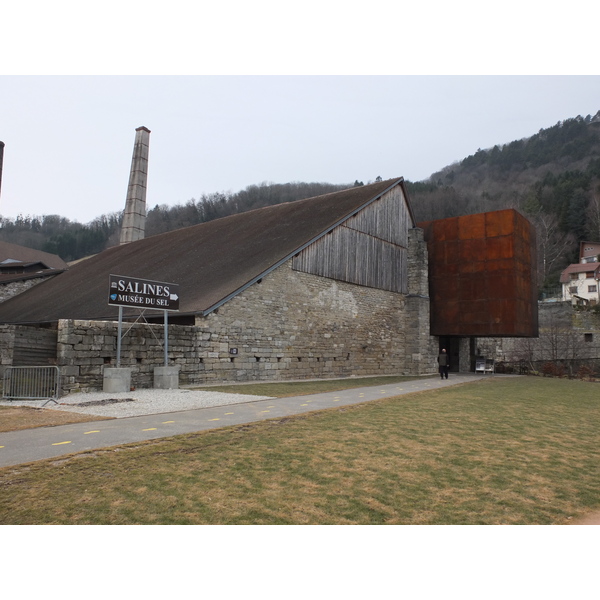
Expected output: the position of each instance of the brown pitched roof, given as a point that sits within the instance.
(12, 277)
(10, 251)
(211, 262)
(565, 276)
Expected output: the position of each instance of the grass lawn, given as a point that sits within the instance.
(518, 450)
(283, 389)
(13, 418)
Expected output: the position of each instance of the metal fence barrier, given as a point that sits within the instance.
(31, 383)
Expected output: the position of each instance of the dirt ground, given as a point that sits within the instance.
(591, 519)
(25, 417)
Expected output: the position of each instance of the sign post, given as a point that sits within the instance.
(143, 294)
(120, 335)
(166, 321)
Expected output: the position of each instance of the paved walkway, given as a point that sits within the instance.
(18, 447)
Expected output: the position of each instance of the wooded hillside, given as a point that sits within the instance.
(72, 240)
(553, 177)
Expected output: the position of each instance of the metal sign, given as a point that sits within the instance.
(142, 293)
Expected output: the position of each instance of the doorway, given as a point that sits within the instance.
(452, 345)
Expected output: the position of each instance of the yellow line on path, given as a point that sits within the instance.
(1, 446)
(95, 431)
(150, 429)
(301, 405)
(168, 422)
(59, 443)
(228, 413)
(214, 419)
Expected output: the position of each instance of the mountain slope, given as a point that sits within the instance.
(553, 177)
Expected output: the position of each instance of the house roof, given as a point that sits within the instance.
(15, 253)
(211, 262)
(13, 277)
(578, 268)
(14, 266)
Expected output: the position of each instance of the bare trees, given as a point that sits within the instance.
(562, 343)
(593, 217)
(554, 246)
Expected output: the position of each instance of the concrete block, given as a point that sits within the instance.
(166, 378)
(116, 380)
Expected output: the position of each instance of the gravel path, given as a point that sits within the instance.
(138, 403)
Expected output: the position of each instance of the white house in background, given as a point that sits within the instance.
(581, 281)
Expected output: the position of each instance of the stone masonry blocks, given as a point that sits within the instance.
(290, 326)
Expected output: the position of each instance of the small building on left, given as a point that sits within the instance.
(21, 268)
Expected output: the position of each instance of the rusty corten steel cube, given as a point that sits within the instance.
(482, 275)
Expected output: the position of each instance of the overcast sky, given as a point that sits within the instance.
(241, 93)
(69, 139)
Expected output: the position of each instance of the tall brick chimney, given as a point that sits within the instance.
(134, 218)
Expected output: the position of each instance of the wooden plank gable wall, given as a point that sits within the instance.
(368, 249)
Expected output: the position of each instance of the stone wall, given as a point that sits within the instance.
(565, 333)
(294, 325)
(22, 345)
(421, 348)
(7, 343)
(464, 355)
(290, 326)
(85, 348)
(8, 290)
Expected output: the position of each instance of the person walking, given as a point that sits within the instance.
(444, 362)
